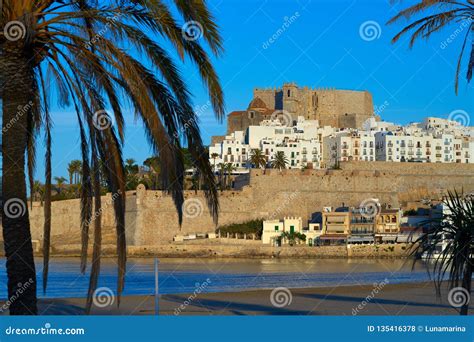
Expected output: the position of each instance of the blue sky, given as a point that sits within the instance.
(322, 47)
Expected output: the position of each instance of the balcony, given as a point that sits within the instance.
(304, 151)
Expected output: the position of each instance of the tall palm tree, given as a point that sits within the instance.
(97, 57)
(74, 169)
(214, 156)
(153, 163)
(77, 171)
(453, 229)
(37, 191)
(279, 160)
(229, 169)
(222, 168)
(441, 13)
(70, 171)
(258, 159)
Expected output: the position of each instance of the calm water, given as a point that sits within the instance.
(184, 275)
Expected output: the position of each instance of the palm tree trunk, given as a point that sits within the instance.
(17, 83)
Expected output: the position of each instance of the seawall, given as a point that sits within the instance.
(151, 218)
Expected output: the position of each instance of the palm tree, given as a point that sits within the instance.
(60, 183)
(222, 170)
(37, 192)
(214, 156)
(279, 160)
(258, 159)
(454, 229)
(229, 168)
(446, 12)
(70, 171)
(74, 169)
(98, 54)
(153, 163)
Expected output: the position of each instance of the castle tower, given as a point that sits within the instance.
(291, 98)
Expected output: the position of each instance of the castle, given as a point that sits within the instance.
(331, 107)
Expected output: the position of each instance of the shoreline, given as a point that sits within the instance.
(418, 298)
(244, 251)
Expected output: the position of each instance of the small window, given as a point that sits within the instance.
(289, 92)
(276, 228)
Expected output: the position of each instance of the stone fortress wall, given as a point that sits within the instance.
(151, 218)
(332, 107)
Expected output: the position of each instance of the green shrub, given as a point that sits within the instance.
(249, 227)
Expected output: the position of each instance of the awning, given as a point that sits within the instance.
(332, 237)
(407, 237)
(389, 238)
(360, 239)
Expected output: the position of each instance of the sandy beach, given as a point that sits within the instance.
(397, 299)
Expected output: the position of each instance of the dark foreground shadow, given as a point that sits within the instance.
(215, 306)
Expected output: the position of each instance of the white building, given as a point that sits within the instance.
(350, 145)
(300, 143)
(306, 144)
(423, 147)
(232, 149)
(272, 229)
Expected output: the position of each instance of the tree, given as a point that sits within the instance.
(279, 160)
(131, 172)
(291, 237)
(153, 164)
(228, 169)
(258, 159)
(95, 55)
(70, 171)
(37, 191)
(59, 183)
(130, 166)
(446, 12)
(75, 170)
(453, 229)
(222, 170)
(214, 156)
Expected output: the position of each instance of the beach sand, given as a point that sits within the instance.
(396, 299)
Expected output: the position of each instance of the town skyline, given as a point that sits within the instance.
(333, 55)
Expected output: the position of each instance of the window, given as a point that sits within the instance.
(289, 92)
(276, 228)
